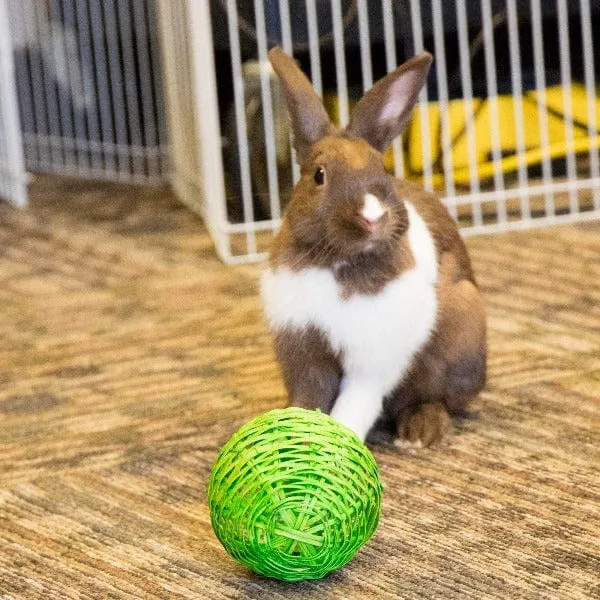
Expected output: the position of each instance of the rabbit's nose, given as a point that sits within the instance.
(372, 211)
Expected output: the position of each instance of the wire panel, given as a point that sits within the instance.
(89, 77)
(506, 130)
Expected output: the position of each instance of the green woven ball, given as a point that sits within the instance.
(294, 495)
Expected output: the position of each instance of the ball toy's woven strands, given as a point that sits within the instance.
(294, 495)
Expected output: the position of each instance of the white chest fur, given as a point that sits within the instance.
(376, 336)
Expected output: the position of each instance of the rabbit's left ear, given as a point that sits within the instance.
(310, 121)
(385, 109)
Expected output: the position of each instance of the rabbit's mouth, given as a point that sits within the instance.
(358, 235)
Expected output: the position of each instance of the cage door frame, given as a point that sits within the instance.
(13, 176)
(191, 100)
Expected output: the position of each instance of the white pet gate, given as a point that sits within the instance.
(89, 86)
(506, 129)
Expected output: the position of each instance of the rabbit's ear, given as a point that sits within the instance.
(310, 121)
(385, 109)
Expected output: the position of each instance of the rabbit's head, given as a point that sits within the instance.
(345, 203)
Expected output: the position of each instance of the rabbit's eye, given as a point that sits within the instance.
(319, 176)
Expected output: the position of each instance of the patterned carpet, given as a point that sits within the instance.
(129, 354)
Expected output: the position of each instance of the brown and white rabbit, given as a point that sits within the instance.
(370, 294)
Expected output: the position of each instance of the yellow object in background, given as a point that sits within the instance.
(553, 101)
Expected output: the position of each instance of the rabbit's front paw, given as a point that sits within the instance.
(426, 425)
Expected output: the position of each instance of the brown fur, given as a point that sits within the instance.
(440, 224)
(309, 118)
(328, 234)
(356, 153)
(451, 368)
(426, 423)
(311, 370)
(365, 121)
(322, 228)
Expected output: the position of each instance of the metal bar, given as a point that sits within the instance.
(6, 168)
(287, 43)
(26, 97)
(313, 43)
(365, 45)
(145, 73)
(132, 92)
(158, 87)
(208, 134)
(268, 225)
(49, 97)
(415, 15)
(267, 108)
(244, 259)
(540, 84)
(467, 91)
(591, 94)
(166, 24)
(340, 62)
(532, 223)
(9, 119)
(57, 42)
(177, 97)
(37, 79)
(286, 28)
(391, 63)
(240, 119)
(102, 82)
(442, 79)
(315, 65)
(74, 144)
(181, 64)
(492, 89)
(517, 93)
(6, 86)
(565, 75)
(532, 190)
(117, 94)
(88, 77)
(75, 80)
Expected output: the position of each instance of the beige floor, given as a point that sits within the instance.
(129, 354)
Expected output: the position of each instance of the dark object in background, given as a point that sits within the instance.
(404, 47)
